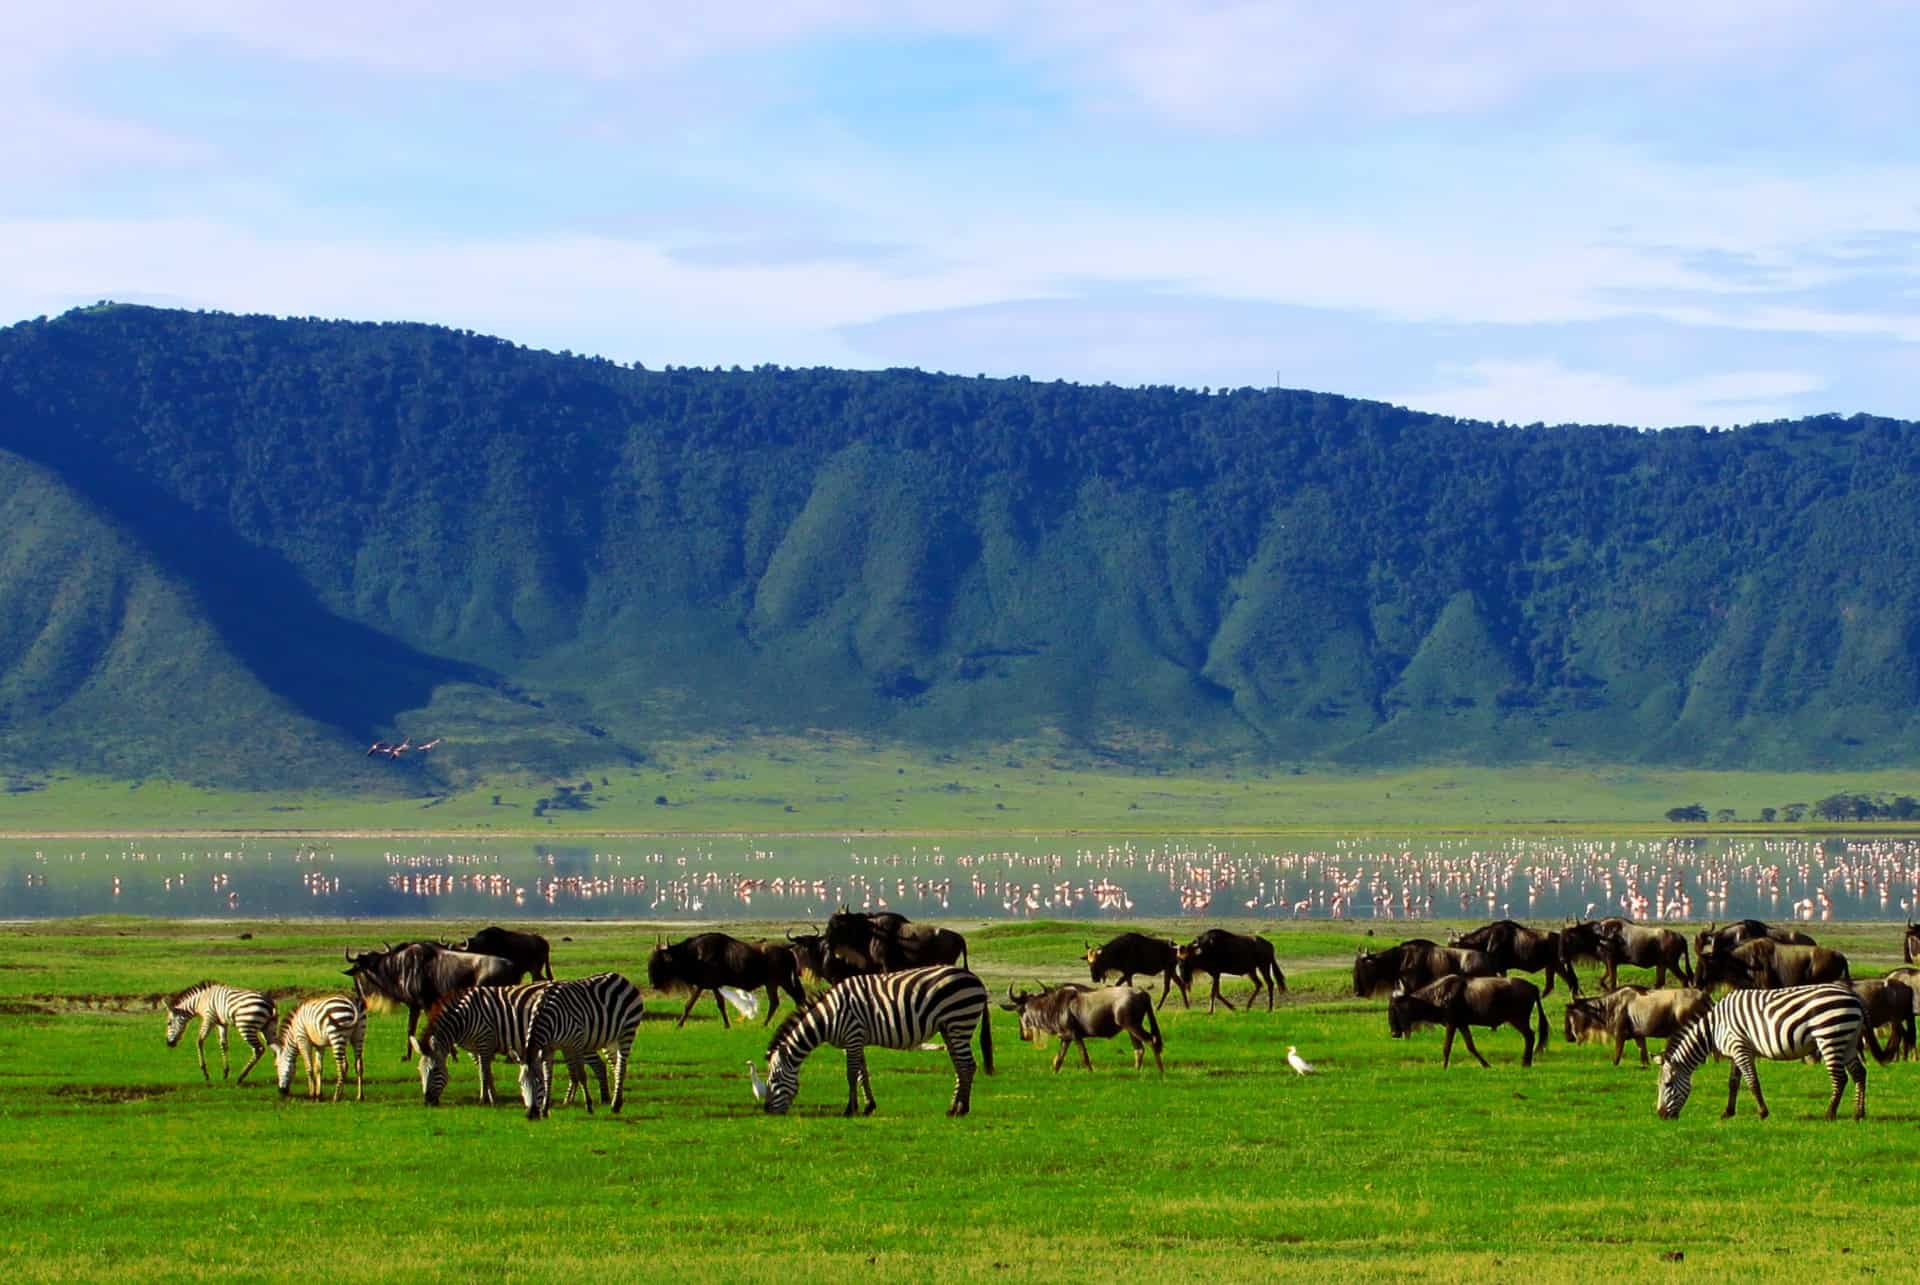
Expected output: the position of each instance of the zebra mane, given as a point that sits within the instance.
(785, 1028)
(438, 1007)
(173, 1001)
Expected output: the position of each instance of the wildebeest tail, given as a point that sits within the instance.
(1546, 1030)
(986, 1041)
(1153, 1029)
(1880, 1055)
(1686, 961)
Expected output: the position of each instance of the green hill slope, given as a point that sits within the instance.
(238, 548)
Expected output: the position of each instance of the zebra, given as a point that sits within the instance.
(575, 1019)
(887, 1010)
(248, 1012)
(333, 1021)
(488, 1022)
(1784, 1024)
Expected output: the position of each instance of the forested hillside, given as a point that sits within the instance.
(237, 549)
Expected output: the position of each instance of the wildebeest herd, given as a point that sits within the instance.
(892, 983)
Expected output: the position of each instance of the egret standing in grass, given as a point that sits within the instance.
(1299, 1064)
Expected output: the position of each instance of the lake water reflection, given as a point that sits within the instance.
(1084, 877)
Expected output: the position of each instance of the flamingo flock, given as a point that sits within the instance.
(1337, 879)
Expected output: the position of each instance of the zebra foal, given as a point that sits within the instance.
(886, 1010)
(331, 1021)
(574, 1020)
(221, 1007)
(1788, 1024)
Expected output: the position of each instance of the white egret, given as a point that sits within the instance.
(759, 1085)
(1299, 1064)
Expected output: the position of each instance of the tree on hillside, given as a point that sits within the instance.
(1690, 812)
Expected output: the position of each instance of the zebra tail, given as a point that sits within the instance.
(986, 1041)
(1880, 1055)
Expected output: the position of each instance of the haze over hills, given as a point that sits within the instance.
(236, 549)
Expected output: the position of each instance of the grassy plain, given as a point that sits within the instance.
(834, 785)
(115, 1159)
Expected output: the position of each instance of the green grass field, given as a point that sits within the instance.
(833, 785)
(116, 1160)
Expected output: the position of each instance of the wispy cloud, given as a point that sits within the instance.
(1642, 212)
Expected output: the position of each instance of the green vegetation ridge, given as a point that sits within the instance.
(235, 550)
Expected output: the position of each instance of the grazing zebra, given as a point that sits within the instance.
(488, 1022)
(332, 1021)
(248, 1012)
(887, 1010)
(1783, 1024)
(574, 1019)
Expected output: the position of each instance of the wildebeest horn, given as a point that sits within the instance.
(387, 946)
(792, 938)
(346, 953)
(1010, 994)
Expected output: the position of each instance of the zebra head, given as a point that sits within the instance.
(433, 1069)
(532, 1086)
(783, 1082)
(283, 1059)
(1676, 1085)
(177, 1019)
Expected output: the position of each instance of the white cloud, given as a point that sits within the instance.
(1548, 392)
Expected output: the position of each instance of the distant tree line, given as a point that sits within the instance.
(1882, 806)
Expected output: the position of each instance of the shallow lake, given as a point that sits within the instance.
(1081, 877)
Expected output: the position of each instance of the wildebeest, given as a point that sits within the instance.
(1413, 964)
(1634, 1013)
(1132, 953)
(1461, 1003)
(891, 942)
(529, 950)
(1219, 953)
(1910, 945)
(708, 961)
(1618, 941)
(1078, 1013)
(811, 958)
(1908, 976)
(1889, 1002)
(1510, 945)
(418, 972)
(1764, 964)
(1716, 936)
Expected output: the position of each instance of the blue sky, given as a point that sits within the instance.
(1640, 213)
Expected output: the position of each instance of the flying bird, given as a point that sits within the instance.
(759, 1085)
(379, 747)
(1299, 1064)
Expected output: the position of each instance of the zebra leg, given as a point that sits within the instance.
(598, 1065)
(1858, 1070)
(200, 1047)
(226, 1067)
(961, 1051)
(1733, 1092)
(1749, 1070)
(486, 1079)
(577, 1078)
(339, 1066)
(359, 1066)
(258, 1044)
(856, 1074)
(1837, 1073)
(621, 1052)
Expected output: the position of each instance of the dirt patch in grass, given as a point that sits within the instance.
(103, 1095)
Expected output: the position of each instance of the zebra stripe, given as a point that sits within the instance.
(222, 1007)
(886, 1010)
(575, 1019)
(331, 1021)
(488, 1022)
(1785, 1024)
